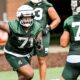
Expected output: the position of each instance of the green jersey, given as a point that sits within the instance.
(20, 41)
(72, 24)
(41, 12)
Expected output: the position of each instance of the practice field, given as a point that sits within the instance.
(52, 74)
(56, 61)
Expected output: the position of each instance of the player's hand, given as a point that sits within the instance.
(39, 46)
(46, 30)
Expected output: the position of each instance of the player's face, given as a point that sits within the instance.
(26, 21)
(73, 4)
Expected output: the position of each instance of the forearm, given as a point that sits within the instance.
(54, 17)
(55, 23)
(63, 43)
(39, 36)
(65, 39)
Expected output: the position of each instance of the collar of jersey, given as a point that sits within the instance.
(37, 3)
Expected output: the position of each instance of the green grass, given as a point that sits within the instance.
(52, 73)
(8, 75)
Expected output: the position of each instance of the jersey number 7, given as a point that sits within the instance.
(77, 34)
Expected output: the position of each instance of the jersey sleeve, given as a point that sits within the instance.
(10, 26)
(66, 25)
(36, 28)
(13, 25)
(47, 4)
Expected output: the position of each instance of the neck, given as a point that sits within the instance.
(26, 29)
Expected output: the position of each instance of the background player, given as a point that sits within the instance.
(71, 35)
(43, 11)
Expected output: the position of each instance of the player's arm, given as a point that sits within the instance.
(4, 26)
(54, 17)
(55, 20)
(64, 39)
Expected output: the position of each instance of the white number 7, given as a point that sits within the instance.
(74, 24)
(25, 40)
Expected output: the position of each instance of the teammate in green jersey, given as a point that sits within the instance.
(22, 33)
(43, 12)
(71, 35)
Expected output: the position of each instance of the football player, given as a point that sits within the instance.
(71, 35)
(22, 33)
(43, 11)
